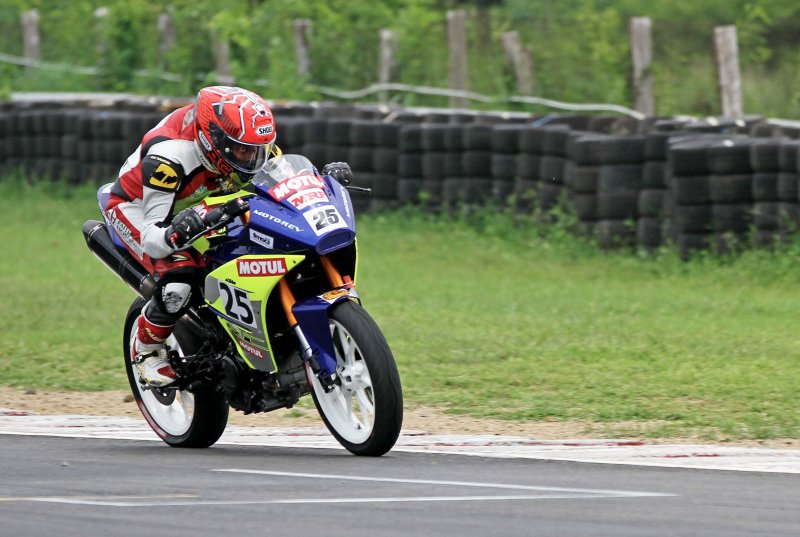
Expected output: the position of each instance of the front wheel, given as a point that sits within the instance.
(364, 408)
(180, 417)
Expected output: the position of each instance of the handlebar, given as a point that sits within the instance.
(227, 211)
(217, 218)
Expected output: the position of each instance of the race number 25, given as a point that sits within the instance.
(324, 219)
(237, 305)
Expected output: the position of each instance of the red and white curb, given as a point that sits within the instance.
(709, 457)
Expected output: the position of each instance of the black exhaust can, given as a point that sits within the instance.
(120, 261)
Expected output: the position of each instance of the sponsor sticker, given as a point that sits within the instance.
(204, 140)
(263, 240)
(125, 234)
(277, 220)
(164, 178)
(295, 184)
(252, 350)
(331, 296)
(308, 197)
(264, 130)
(272, 266)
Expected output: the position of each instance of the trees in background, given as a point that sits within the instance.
(580, 48)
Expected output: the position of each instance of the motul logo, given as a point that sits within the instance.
(289, 186)
(261, 267)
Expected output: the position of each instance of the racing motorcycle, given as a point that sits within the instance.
(280, 317)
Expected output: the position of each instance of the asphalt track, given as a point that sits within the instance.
(77, 476)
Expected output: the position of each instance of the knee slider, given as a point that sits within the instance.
(174, 296)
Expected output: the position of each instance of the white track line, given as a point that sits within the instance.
(710, 457)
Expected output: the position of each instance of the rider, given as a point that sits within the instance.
(215, 144)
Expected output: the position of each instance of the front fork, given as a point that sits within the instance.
(337, 282)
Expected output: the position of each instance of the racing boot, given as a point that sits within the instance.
(150, 353)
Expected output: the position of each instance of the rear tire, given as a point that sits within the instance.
(364, 410)
(179, 417)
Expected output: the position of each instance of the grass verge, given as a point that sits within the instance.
(486, 316)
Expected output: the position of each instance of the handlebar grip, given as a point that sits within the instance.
(213, 216)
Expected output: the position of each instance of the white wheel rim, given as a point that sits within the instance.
(175, 418)
(350, 406)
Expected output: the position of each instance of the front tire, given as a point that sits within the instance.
(179, 417)
(364, 409)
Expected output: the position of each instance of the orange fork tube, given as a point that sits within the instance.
(287, 301)
(330, 271)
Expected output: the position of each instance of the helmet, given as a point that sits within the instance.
(235, 130)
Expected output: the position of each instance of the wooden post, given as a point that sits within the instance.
(457, 46)
(222, 58)
(727, 59)
(31, 42)
(642, 52)
(167, 39)
(302, 46)
(102, 48)
(520, 59)
(388, 48)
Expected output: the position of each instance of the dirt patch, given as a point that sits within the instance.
(415, 418)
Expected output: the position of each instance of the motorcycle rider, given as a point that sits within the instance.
(215, 144)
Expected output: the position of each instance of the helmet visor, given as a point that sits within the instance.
(247, 158)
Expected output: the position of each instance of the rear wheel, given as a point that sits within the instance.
(364, 408)
(179, 417)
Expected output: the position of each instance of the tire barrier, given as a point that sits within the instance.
(713, 184)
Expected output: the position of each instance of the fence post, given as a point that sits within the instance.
(166, 32)
(457, 46)
(642, 52)
(222, 58)
(520, 59)
(31, 42)
(388, 47)
(302, 46)
(729, 77)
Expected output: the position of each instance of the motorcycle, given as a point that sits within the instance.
(280, 317)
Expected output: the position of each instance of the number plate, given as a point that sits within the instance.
(237, 304)
(324, 219)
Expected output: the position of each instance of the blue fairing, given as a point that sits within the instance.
(296, 209)
(312, 316)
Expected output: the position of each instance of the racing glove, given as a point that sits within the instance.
(184, 227)
(339, 171)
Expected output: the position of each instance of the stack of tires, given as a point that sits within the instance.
(581, 177)
(619, 183)
(505, 148)
(291, 133)
(360, 158)
(688, 178)
(315, 140)
(386, 163)
(476, 165)
(433, 164)
(452, 186)
(765, 160)
(731, 192)
(552, 164)
(409, 164)
(788, 191)
(526, 180)
(654, 207)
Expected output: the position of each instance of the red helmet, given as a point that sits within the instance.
(235, 129)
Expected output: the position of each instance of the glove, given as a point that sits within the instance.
(339, 171)
(184, 227)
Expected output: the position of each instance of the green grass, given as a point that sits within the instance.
(485, 316)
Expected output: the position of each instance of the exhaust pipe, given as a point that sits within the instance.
(120, 261)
